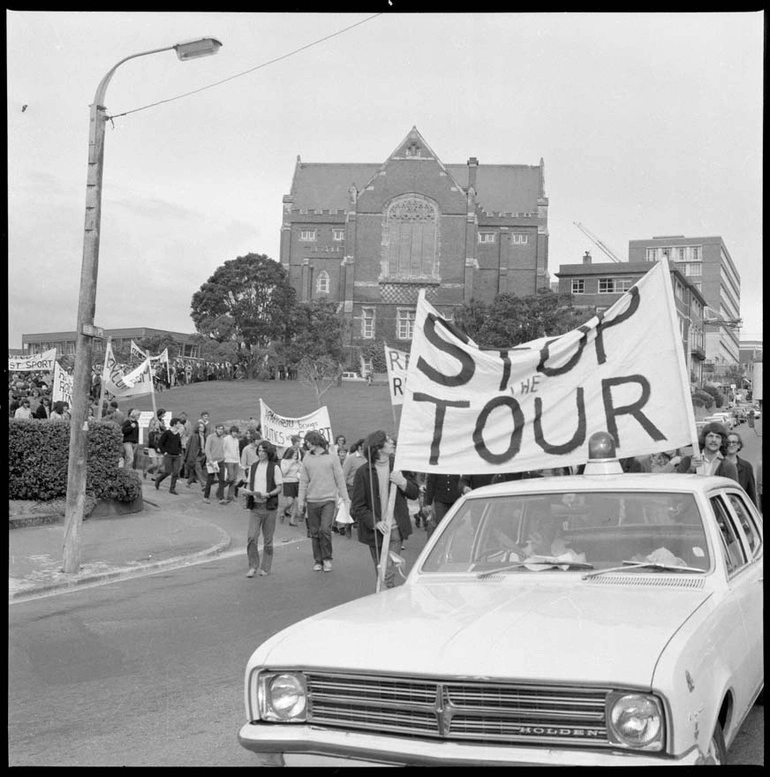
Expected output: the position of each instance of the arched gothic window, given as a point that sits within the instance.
(411, 226)
(322, 284)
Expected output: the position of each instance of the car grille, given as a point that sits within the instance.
(459, 711)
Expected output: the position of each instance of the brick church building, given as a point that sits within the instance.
(369, 236)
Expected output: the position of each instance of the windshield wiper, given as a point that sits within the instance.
(544, 561)
(627, 565)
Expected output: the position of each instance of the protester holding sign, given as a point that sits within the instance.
(711, 460)
(371, 487)
(320, 483)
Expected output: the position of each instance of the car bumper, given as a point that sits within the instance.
(292, 744)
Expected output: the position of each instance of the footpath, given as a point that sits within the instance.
(171, 531)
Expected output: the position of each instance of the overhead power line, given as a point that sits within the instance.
(251, 70)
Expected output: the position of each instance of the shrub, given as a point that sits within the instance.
(702, 398)
(125, 486)
(38, 455)
(375, 352)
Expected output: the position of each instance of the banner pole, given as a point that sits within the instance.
(684, 377)
(102, 381)
(152, 387)
(385, 549)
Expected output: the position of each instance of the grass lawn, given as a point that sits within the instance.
(355, 409)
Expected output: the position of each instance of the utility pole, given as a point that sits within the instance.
(77, 468)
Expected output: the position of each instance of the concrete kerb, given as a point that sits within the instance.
(65, 581)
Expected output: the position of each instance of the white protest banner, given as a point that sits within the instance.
(278, 429)
(396, 363)
(138, 381)
(44, 362)
(137, 352)
(121, 385)
(62, 385)
(473, 411)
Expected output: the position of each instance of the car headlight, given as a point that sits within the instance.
(282, 697)
(635, 720)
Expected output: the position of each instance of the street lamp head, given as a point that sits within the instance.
(192, 49)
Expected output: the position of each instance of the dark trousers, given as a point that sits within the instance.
(171, 466)
(320, 516)
(211, 477)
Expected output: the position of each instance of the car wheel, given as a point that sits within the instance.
(717, 752)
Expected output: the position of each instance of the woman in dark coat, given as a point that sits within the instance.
(745, 470)
(195, 456)
(370, 498)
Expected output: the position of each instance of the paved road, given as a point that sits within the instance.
(149, 671)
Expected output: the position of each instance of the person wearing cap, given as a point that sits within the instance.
(321, 483)
(711, 458)
(291, 462)
(371, 491)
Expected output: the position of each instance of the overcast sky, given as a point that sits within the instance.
(649, 124)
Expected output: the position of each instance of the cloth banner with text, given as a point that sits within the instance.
(63, 384)
(469, 410)
(161, 358)
(136, 383)
(396, 363)
(278, 429)
(42, 362)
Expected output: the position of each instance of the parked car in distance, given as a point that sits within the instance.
(726, 419)
(352, 376)
(596, 620)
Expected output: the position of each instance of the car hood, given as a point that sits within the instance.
(570, 632)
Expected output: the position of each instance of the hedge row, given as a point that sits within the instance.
(38, 455)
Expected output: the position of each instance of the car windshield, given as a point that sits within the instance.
(572, 532)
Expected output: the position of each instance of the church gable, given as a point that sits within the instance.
(413, 168)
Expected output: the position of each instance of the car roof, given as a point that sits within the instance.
(632, 481)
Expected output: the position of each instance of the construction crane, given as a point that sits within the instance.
(590, 235)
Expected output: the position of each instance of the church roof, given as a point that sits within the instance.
(499, 188)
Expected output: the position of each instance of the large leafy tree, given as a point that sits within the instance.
(247, 302)
(510, 320)
(314, 345)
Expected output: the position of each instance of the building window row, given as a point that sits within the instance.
(311, 235)
(486, 237)
(615, 285)
(675, 253)
(578, 286)
(405, 318)
(519, 238)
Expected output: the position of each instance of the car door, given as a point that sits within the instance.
(737, 650)
(749, 523)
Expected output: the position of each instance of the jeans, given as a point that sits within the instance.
(128, 455)
(197, 472)
(231, 478)
(390, 570)
(220, 477)
(261, 520)
(320, 516)
(171, 466)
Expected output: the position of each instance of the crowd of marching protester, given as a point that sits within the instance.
(338, 488)
(330, 488)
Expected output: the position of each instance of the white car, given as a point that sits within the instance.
(726, 419)
(606, 619)
(352, 376)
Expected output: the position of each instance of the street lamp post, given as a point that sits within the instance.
(81, 388)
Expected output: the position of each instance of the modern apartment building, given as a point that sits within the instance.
(597, 287)
(369, 236)
(707, 264)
